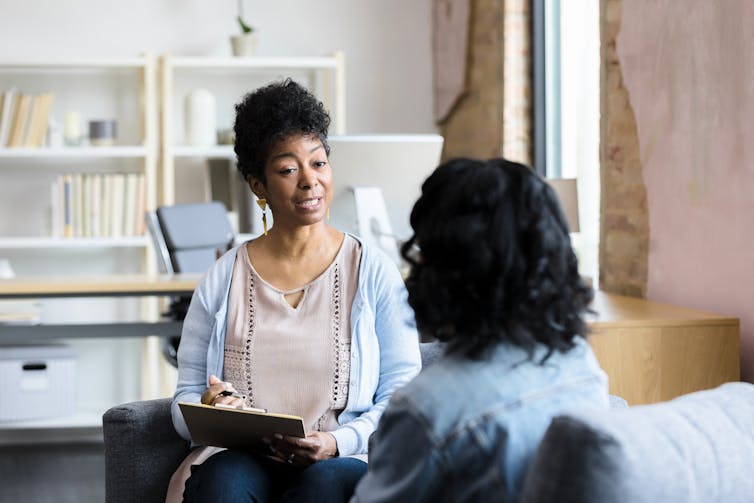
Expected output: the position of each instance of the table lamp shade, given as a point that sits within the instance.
(567, 193)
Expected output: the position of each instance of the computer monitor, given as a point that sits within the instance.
(397, 165)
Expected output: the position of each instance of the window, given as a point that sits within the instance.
(567, 103)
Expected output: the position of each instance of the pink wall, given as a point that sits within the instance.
(688, 67)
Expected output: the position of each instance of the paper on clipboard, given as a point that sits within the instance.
(237, 428)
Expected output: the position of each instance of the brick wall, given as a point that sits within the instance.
(624, 221)
(474, 127)
(517, 82)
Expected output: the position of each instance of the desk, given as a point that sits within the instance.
(650, 351)
(153, 372)
(654, 352)
(94, 286)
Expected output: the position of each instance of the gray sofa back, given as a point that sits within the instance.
(696, 448)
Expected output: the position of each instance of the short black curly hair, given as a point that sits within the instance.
(494, 261)
(270, 114)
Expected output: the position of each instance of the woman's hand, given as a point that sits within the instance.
(213, 395)
(317, 446)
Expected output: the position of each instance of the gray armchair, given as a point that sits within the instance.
(142, 450)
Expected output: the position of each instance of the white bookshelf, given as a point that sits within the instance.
(74, 84)
(124, 89)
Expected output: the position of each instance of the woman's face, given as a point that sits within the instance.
(299, 181)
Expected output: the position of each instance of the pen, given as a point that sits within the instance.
(234, 394)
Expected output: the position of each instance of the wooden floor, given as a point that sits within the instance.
(58, 473)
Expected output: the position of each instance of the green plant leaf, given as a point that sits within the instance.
(245, 28)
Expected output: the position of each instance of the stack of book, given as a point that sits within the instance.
(19, 313)
(98, 205)
(24, 118)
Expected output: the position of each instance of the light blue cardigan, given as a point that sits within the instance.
(384, 344)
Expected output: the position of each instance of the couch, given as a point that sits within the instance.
(699, 447)
(696, 448)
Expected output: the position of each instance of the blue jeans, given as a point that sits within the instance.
(233, 475)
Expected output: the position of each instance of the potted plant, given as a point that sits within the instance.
(245, 43)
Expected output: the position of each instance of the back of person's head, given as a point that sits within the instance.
(494, 262)
(270, 114)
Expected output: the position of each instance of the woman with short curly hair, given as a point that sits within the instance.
(493, 275)
(303, 320)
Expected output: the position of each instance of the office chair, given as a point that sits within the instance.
(188, 238)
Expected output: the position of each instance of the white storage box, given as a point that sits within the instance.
(37, 382)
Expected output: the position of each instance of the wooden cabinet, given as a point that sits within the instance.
(654, 352)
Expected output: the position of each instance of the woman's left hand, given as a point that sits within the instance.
(317, 446)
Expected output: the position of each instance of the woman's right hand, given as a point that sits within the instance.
(212, 396)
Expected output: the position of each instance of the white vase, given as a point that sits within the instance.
(244, 45)
(199, 115)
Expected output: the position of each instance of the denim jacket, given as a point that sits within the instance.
(384, 344)
(465, 430)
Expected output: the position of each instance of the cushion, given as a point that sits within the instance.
(699, 447)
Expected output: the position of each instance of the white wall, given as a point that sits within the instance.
(387, 43)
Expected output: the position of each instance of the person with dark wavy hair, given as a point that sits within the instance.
(303, 320)
(493, 275)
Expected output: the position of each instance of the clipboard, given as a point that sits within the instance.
(237, 428)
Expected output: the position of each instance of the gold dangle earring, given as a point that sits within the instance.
(328, 213)
(262, 202)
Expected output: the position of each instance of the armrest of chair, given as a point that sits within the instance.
(142, 450)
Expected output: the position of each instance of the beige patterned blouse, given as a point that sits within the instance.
(293, 360)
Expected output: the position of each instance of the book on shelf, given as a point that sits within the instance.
(39, 118)
(86, 206)
(97, 205)
(19, 313)
(6, 116)
(77, 196)
(117, 201)
(24, 118)
(129, 204)
(67, 205)
(20, 113)
(105, 208)
(29, 122)
(55, 209)
(141, 206)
